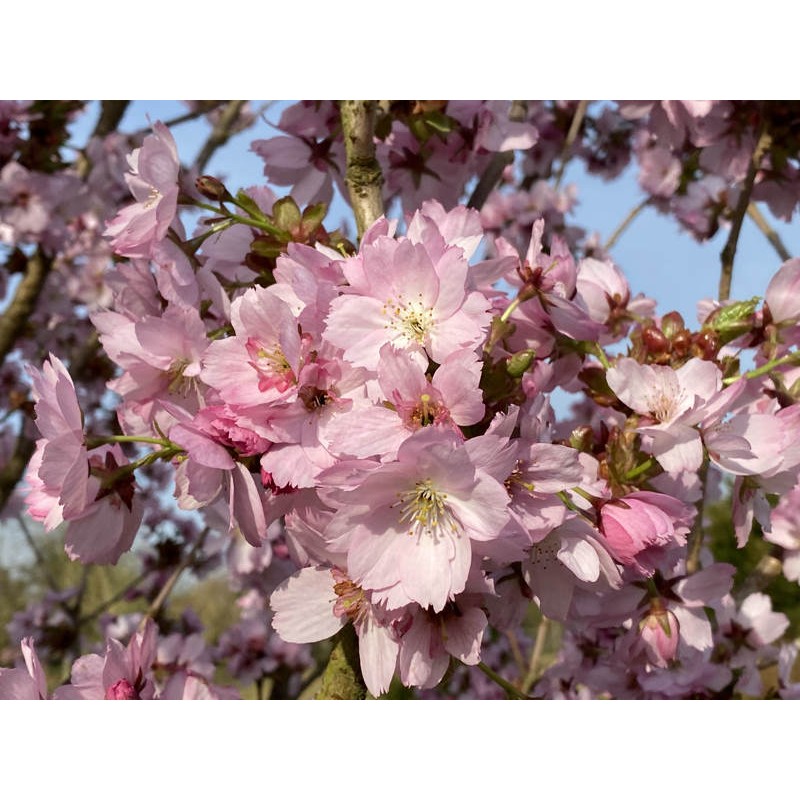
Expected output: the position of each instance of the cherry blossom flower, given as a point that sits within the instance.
(408, 528)
(153, 181)
(400, 293)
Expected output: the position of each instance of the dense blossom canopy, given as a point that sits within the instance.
(358, 428)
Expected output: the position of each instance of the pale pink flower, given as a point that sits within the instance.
(402, 294)
(316, 602)
(24, 683)
(783, 292)
(673, 402)
(412, 401)
(160, 355)
(427, 645)
(60, 468)
(572, 555)
(260, 364)
(408, 528)
(153, 181)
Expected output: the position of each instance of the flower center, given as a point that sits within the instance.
(664, 407)
(351, 599)
(425, 510)
(412, 319)
(153, 198)
(271, 365)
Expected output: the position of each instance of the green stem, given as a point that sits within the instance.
(640, 470)
(512, 307)
(96, 441)
(511, 690)
(536, 655)
(253, 223)
(601, 355)
(764, 369)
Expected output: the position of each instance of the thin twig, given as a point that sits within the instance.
(536, 655)
(623, 226)
(511, 690)
(167, 588)
(203, 107)
(572, 134)
(115, 598)
(15, 467)
(729, 251)
(754, 212)
(222, 131)
(363, 177)
(698, 532)
(37, 554)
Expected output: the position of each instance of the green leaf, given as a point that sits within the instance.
(313, 216)
(246, 203)
(286, 214)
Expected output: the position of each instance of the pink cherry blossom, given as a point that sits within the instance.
(153, 181)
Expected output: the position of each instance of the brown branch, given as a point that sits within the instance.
(729, 251)
(697, 533)
(760, 220)
(155, 607)
(111, 114)
(13, 470)
(222, 131)
(572, 134)
(203, 107)
(37, 268)
(623, 226)
(363, 177)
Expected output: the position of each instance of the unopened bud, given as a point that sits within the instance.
(672, 324)
(212, 188)
(581, 438)
(655, 341)
(520, 362)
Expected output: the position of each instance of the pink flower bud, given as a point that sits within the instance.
(659, 633)
(121, 690)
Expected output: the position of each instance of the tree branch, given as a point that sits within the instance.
(222, 131)
(111, 114)
(37, 269)
(760, 220)
(342, 679)
(14, 468)
(572, 134)
(363, 177)
(623, 226)
(729, 251)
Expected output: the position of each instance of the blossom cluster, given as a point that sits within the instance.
(370, 433)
